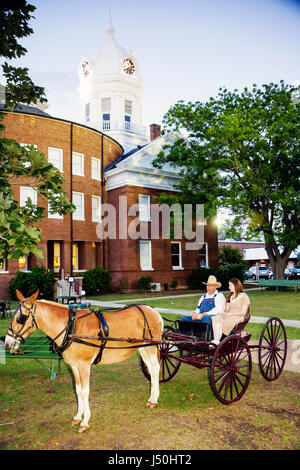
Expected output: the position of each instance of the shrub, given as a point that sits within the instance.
(231, 264)
(223, 273)
(227, 271)
(174, 284)
(198, 276)
(144, 284)
(28, 282)
(96, 281)
(20, 282)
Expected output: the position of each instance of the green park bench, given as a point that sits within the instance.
(279, 283)
(40, 349)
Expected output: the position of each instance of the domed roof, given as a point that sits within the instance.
(110, 55)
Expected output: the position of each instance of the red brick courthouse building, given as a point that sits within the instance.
(105, 160)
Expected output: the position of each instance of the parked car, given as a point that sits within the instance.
(287, 272)
(249, 274)
(264, 273)
(294, 273)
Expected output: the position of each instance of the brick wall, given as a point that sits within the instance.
(124, 254)
(241, 245)
(121, 257)
(50, 132)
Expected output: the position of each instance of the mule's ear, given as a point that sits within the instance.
(20, 296)
(31, 299)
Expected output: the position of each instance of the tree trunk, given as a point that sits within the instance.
(278, 261)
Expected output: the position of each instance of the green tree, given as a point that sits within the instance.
(242, 153)
(18, 232)
(230, 255)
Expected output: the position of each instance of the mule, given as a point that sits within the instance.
(52, 318)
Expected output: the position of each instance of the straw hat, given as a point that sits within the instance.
(212, 281)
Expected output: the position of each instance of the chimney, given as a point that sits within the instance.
(154, 131)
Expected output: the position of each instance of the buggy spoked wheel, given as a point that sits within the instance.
(230, 370)
(272, 349)
(169, 364)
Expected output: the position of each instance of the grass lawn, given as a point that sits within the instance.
(36, 414)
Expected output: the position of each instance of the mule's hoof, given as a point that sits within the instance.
(151, 405)
(75, 422)
(83, 429)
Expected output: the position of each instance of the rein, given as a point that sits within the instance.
(69, 331)
(103, 337)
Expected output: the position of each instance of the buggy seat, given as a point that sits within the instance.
(203, 331)
(240, 326)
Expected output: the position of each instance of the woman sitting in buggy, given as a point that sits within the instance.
(236, 311)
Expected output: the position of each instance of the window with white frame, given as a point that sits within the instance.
(26, 193)
(145, 255)
(28, 164)
(77, 164)
(54, 215)
(55, 156)
(105, 111)
(203, 255)
(127, 114)
(96, 169)
(176, 255)
(96, 215)
(26, 145)
(128, 107)
(144, 208)
(78, 201)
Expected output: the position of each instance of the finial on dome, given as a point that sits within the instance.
(110, 30)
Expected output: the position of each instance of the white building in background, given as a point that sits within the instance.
(111, 95)
(260, 255)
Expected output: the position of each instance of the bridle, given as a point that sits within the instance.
(21, 320)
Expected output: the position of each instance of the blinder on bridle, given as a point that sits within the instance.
(21, 320)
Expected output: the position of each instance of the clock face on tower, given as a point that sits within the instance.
(128, 66)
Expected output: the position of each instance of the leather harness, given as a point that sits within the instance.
(103, 335)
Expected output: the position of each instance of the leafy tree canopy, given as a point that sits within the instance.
(22, 165)
(242, 153)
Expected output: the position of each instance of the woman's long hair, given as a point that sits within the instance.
(238, 288)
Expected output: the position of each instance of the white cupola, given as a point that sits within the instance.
(111, 93)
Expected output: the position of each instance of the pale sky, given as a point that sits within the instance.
(185, 49)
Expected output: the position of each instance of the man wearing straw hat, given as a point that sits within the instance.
(210, 304)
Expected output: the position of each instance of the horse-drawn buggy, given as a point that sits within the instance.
(229, 364)
(84, 337)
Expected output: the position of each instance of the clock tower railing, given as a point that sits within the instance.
(123, 126)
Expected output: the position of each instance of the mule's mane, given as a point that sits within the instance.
(53, 303)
